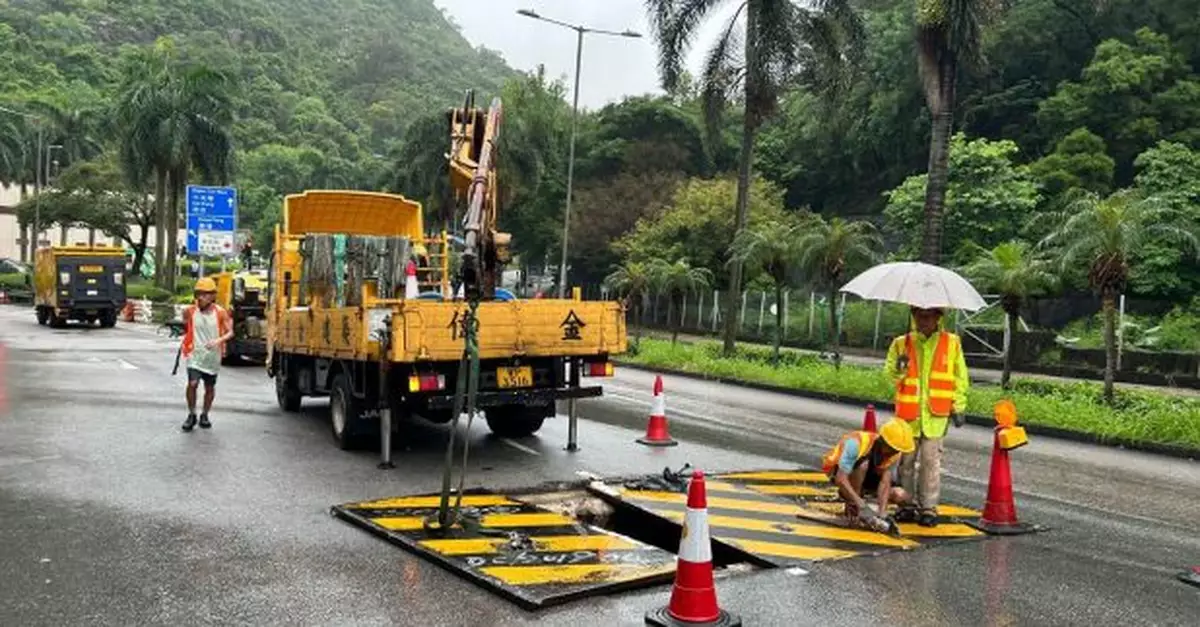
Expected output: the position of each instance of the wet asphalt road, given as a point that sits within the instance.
(110, 515)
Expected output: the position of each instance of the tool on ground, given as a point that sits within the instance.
(999, 511)
(694, 595)
(869, 419)
(656, 427)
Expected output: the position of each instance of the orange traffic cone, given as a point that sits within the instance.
(694, 596)
(1191, 575)
(410, 280)
(869, 420)
(999, 511)
(656, 428)
(3, 297)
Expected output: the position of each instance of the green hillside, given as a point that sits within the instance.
(345, 77)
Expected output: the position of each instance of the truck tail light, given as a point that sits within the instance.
(426, 382)
(64, 277)
(118, 278)
(598, 369)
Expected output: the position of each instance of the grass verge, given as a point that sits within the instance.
(1136, 416)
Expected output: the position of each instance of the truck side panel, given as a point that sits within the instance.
(532, 328)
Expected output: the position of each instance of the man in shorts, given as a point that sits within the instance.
(207, 327)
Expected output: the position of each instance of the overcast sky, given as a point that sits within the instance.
(613, 67)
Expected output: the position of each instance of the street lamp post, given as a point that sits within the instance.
(579, 31)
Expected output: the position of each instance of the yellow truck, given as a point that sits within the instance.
(367, 346)
(244, 295)
(81, 282)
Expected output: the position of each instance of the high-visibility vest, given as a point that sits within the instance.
(866, 440)
(189, 331)
(941, 380)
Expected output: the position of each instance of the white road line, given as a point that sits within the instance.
(520, 447)
(126, 365)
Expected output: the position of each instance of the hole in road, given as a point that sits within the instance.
(633, 522)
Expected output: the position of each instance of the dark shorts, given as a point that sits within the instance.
(210, 380)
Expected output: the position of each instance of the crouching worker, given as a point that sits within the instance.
(861, 465)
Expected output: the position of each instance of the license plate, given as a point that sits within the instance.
(91, 269)
(514, 377)
(93, 292)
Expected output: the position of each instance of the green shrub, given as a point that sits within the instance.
(137, 290)
(1136, 415)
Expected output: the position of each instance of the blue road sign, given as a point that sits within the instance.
(211, 219)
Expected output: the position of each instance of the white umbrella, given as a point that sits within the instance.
(916, 284)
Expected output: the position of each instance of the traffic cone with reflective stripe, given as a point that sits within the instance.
(694, 596)
(656, 428)
(411, 290)
(869, 420)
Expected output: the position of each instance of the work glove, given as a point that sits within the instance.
(958, 418)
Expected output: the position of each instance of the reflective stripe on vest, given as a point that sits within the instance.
(941, 381)
(866, 440)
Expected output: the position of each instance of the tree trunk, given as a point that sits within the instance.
(160, 222)
(62, 234)
(637, 333)
(778, 320)
(175, 188)
(91, 237)
(1009, 330)
(139, 251)
(1110, 345)
(671, 318)
(942, 112)
(733, 314)
(834, 340)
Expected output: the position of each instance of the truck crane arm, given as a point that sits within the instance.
(473, 134)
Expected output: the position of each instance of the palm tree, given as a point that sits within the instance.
(1015, 273)
(633, 281)
(173, 119)
(677, 280)
(770, 249)
(949, 36)
(827, 249)
(1104, 235)
(777, 38)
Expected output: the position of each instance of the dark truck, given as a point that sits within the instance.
(82, 282)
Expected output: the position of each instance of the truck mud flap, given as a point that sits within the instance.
(532, 555)
(784, 517)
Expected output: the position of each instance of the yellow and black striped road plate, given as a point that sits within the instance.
(785, 517)
(528, 554)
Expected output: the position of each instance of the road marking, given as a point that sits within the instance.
(541, 544)
(404, 502)
(573, 573)
(520, 447)
(126, 365)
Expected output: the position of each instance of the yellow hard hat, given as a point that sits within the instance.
(206, 284)
(898, 435)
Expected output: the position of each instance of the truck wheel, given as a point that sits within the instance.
(108, 319)
(514, 421)
(344, 413)
(42, 317)
(56, 322)
(286, 392)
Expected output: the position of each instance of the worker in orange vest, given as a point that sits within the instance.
(861, 465)
(927, 368)
(207, 327)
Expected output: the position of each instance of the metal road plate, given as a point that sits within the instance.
(530, 555)
(787, 517)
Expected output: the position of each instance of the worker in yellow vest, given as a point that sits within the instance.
(929, 372)
(861, 466)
